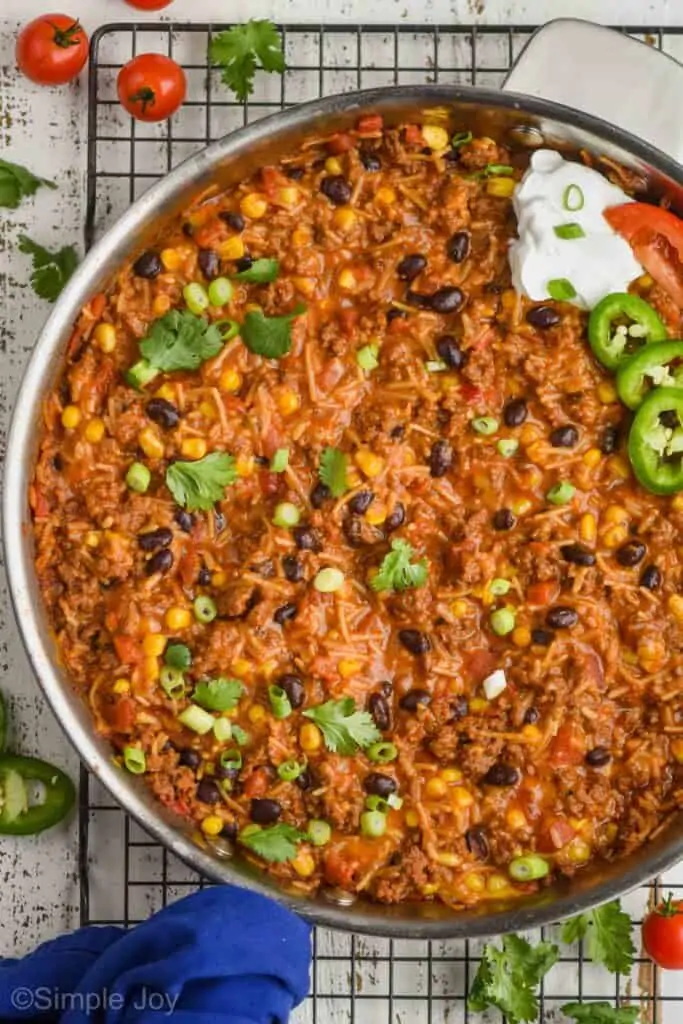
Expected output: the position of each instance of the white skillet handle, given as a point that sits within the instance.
(606, 74)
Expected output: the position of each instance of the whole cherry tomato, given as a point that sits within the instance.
(52, 49)
(149, 5)
(663, 934)
(151, 87)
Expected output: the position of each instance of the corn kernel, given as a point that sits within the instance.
(287, 197)
(193, 448)
(531, 733)
(256, 714)
(230, 381)
(288, 402)
(310, 738)
(349, 667)
(94, 432)
(269, 668)
(303, 864)
(614, 537)
(254, 206)
(232, 248)
(615, 515)
(676, 750)
(171, 259)
(475, 882)
(644, 281)
(436, 788)
(578, 851)
(151, 669)
(412, 820)
(151, 443)
(497, 883)
(212, 825)
(244, 465)
(208, 410)
(347, 279)
(675, 604)
(588, 528)
(448, 859)
(241, 667)
(677, 503)
(300, 237)
(478, 704)
(161, 305)
(333, 165)
(462, 797)
(178, 618)
(651, 656)
(92, 539)
(592, 457)
(516, 818)
(306, 285)
(385, 196)
(105, 337)
(121, 686)
(344, 219)
(451, 775)
(607, 393)
(529, 433)
(154, 644)
(430, 889)
(619, 467)
(435, 137)
(167, 392)
(376, 514)
(521, 506)
(71, 417)
(521, 636)
(500, 187)
(371, 464)
(219, 579)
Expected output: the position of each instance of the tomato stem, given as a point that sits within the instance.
(668, 908)
(64, 37)
(146, 96)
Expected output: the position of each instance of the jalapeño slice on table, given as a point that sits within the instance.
(657, 365)
(18, 815)
(620, 325)
(655, 444)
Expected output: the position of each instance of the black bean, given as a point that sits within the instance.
(531, 716)
(459, 708)
(564, 437)
(294, 689)
(204, 577)
(306, 780)
(153, 539)
(501, 774)
(208, 792)
(414, 699)
(306, 538)
(447, 300)
(397, 432)
(577, 554)
(542, 637)
(266, 568)
(377, 784)
(162, 412)
(543, 317)
(295, 173)
(185, 520)
(222, 772)
(244, 263)
(503, 519)
(190, 758)
(161, 562)
(378, 706)
(515, 412)
(320, 494)
(233, 219)
(396, 314)
(450, 352)
(387, 687)
(361, 502)
(609, 440)
(440, 458)
(631, 553)
(229, 831)
(651, 578)
(458, 246)
(418, 299)
(410, 266)
(396, 517)
(598, 756)
(370, 160)
(292, 568)
(209, 263)
(561, 617)
(265, 812)
(285, 613)
(219, 521)
(477, 843)
(337, 189)
(188, 230)
(415, 641)
(148, 265)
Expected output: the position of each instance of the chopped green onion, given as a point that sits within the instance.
(485, 425)
(197, 719)
(373, 824)
(178, 656)
(231, 760)
(435, 366)
(382, 752)
(239, 735)
(280, 703)
(377, 803)
(567, 231)
(134, 760)
(204, 608)
(461, 139)
(561, 493)
(233, 328)
(220, 291)
(172, 682)
(196, 299)
(280, 460)
(499, 169)
(498, 587)
(222, 730)
(141, 373)
(573, 198)
(529, 868)
(288, 771)
(507, 446)
(319, 832)
(395, 801)
(367, 357)
(502, 621)
(138, 477)
(328, 580)
(286, 515)
(561, 290)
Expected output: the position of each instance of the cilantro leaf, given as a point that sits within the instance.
(601, 1013)
(17, 182)
(507, 978)
(221, 694)
(607, 931)
(51, 270)
(332, 471)
(239, 51)
(179, 340)
(396, 571)
(201, 483)
(277, 843)
(260, 272)
(269, 336)
(344, 728)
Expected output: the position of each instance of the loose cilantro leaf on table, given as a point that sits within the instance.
(179, 340)
(397, 572)
(242, 49)
(508, 978)
(344, 729)
(17, 182)
(269, 336)
(199, 484)
(332, 471)
(260, 272)
(601, 1013)
(221, 694)
(51, 270)
(607, 931)
(277, 843)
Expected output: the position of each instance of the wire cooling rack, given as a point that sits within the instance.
(124, 875)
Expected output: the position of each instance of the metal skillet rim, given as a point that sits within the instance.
(19, 560)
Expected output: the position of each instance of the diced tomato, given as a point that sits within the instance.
(128, 650)
(39, 503)
(349, 859)
(479, 664)
(348, 318)
(272, 180)
(413, 135)
(399, 325)
(471, 393)
(270, 482)
(340, 143)
(188, 566)
(542, 594)
(257, 783)
(554, 833)
(370, 124)
(656, 237)
(97, 305)
(569, 746)
(180, 807)
(210, 235)
(121, 715)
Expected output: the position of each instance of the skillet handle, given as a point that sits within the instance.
(607, 74)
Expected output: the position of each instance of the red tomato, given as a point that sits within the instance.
(663, 934)
(52, 49)
(478, 664)
(656, 237)
(149, 5)
(121, 715)
(151, 87)
(542, 594)
(568, 747)
(128, 650)
(554, 834)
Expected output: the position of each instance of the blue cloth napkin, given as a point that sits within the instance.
(222, 955)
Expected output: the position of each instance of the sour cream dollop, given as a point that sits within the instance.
(556, 193)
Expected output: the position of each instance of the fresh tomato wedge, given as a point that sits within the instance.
(663, 934)
(151, 87)
(656, 237)
(52, 49)
(149, 5)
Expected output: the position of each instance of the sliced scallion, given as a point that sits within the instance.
(197, 719)
(280, 703)
(134, 760)
(573, 198)
(568, 231)
(286, 515)
(461, 139)
(222, 730)
(561, 493)
(367, 357)
(172, 682)
(280, 460)
(319, 832)
(373, 824)
(435, 366)
(561, 289)
(239, 735)
(288, 771)
(507, 446)
(230, 760)
(485, 425)
(204, 608)
(382, 752)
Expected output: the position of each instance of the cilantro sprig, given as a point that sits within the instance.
(260, 272)
(51, 270)
(277, 843)
(332, 471)
(239, 51)
(269, 336)
(179, 340)
(601, 1013)
(508, 978)
(221, 694)
(607, 931)
(197, 485)
(344, 729)
(17, 182)
(397, 572)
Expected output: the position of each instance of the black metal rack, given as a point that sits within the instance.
(124, 875)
